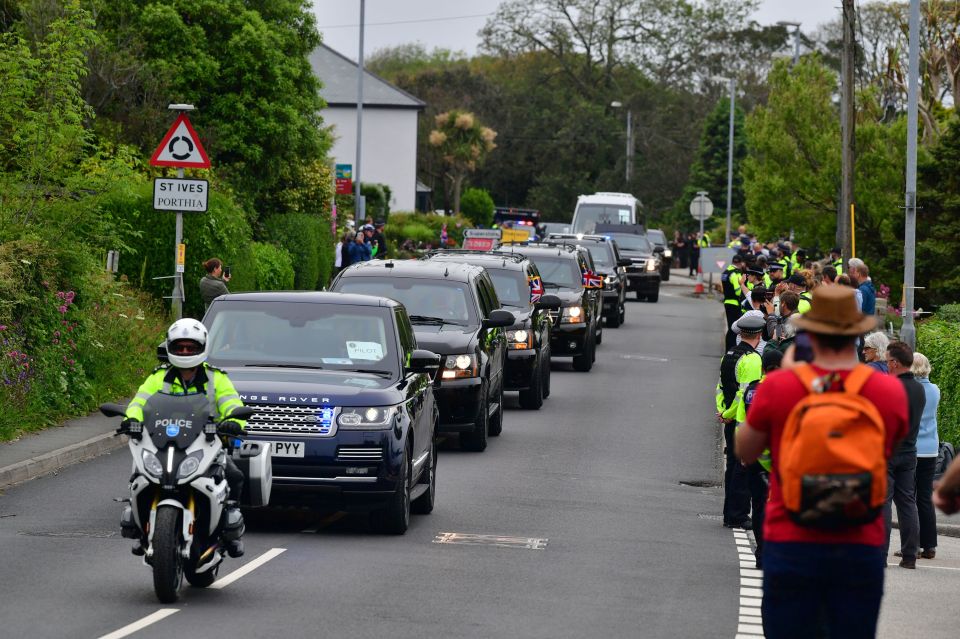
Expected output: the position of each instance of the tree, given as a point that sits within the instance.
(709, 170)
(464, 144)
(477, 206)
(938, 220)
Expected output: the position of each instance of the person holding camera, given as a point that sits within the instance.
(214, 283)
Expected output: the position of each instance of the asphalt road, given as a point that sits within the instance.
(629, 550)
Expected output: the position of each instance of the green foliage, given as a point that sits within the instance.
(949, 313)
(477, 206)
(242, 63)
(425, 229)
(938, 340)
(307, 239)
(377, 200)
(463, 144)
(938, 221)
(709, 170)
(274, 267)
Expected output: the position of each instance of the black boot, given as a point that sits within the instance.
(233, 529)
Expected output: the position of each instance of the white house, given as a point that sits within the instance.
(389, 153)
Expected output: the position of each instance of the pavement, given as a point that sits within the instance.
(611, 489)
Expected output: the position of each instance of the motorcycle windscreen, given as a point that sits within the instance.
(175, 419)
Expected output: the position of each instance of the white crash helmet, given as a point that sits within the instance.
(189, 330)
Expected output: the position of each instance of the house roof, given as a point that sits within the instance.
(339, 77)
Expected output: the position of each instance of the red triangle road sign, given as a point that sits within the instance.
(181, 147)
(721, 263)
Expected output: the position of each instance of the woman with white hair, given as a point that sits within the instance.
(875, 349)
(928, 445)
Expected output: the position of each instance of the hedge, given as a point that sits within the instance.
(939, 340)
(309, 241)
(274, 267)
(425, 228)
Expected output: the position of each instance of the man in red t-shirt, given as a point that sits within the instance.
(817, 579)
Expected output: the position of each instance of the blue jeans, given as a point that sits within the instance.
(821, 590)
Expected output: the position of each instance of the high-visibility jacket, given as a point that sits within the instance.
(704, 241)
(767, 282)
(730, 281)
(740, 365)
(795, 263)
(214, 382)
(804, 304)
(746, 398)
(838, 264)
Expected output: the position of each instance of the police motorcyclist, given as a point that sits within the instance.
(188, 373)
(732, 296)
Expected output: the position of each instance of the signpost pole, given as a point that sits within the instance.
(177, 295)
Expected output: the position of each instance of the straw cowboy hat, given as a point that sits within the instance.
(833, 311)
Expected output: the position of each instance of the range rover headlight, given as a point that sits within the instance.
(151, 464)
(367, 418)
(651, 265)
(459, 366)
(520, 339)
(572, 315)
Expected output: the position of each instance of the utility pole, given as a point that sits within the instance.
(358, 198)
(847, 129)
(629, 171)
(733, 93)
(907, 331)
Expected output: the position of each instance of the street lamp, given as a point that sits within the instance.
(616, 104)
(796, 38)
(733, 92)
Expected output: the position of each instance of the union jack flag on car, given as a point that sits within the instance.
(536, 288)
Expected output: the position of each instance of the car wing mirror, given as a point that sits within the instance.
(162, 352)
(549, 303)
(113, 410)
(423, 361)
(624, 262)
(499, 319)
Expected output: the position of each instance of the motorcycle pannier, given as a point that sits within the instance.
(254, 459)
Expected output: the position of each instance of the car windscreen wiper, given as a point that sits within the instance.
(370, 371)
(555, 285)
(319, 368)
(426, 319)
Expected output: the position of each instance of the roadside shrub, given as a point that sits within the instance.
(419, 233)
(949, 313)
(397, 232)
(274, 268)
(477, 206)
(377, 200)
(223, 232)
(301, 235)
(939, 340)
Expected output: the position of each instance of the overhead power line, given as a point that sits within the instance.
(379, 24)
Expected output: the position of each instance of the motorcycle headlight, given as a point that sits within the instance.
(459, 366)
(668, 253)
(651, 265)
(367, 418)
(151, 464)
(190, 464)
(572, 315)
(519, 340)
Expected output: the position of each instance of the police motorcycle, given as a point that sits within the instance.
(178, 489)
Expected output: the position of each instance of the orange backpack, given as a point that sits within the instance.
(833, 466)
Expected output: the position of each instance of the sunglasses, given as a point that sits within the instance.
(185, 348)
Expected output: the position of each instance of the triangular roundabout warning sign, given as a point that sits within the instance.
(181, 147)
(721, 263)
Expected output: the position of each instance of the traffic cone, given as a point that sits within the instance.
(698, 289)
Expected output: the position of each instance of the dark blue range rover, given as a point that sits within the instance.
(341, 392)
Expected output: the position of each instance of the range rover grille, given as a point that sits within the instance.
(276, 419)
(360, 453)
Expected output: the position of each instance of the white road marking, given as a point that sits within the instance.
(750, 617)
(247, 568)
(140, 624)
(924, 566)
(502, 541)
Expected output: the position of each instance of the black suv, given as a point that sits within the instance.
(658, 239)
(643, 274)
(609, 263)
(340, 391)
(455, 312)
(520, 290)
(576, 330)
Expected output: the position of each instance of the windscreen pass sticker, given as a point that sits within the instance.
(370, 351)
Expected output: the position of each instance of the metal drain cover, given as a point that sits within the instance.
(467, 539)
(69, 534)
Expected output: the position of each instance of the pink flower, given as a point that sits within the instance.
(56, 333)
(62, 309)
(3, 327)
(70, 296)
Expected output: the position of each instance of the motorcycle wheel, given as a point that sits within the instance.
(167, 562)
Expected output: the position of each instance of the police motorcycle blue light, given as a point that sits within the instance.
(173, 430)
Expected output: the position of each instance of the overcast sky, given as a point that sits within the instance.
(453, 24)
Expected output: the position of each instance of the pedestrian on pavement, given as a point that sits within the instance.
(343, 251)
(758, 473)
(740, 366)
(786, 302)
(902, 467)
(360, 249)
(730, 280)
(799, 285)
(860, 275)
(875, 350)
(680, 246)
(693, 254)
(380, 240)
(928, 446)
(214, 283)
(816, 576)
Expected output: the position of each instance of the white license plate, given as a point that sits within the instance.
(287, 449)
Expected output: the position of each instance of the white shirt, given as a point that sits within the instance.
(339, 255)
